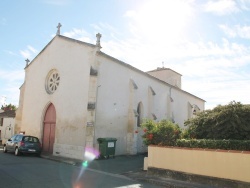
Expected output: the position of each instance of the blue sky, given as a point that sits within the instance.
(208, 42)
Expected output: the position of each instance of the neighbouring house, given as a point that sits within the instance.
(73, 94)
(0, 127)
(7, 124)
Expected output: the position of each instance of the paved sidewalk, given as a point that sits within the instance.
(128, 166)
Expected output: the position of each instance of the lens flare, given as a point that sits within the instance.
(89, 155)
(78, 185)
(85, 164)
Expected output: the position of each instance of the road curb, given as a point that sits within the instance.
(62, 160)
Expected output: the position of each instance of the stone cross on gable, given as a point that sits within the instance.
(98, 37)
(27, 62)
(58, 28)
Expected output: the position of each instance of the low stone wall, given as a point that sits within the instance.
(70, 151)
(201, 165)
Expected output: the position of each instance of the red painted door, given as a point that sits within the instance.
(49, 129)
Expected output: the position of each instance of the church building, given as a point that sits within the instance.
(73, 94)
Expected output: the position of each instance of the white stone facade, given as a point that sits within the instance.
(97, 96)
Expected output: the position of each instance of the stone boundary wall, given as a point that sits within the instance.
(70, 151)
(228, 165)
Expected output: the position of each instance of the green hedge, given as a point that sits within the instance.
(242, 145)
(166, 133)
(230, 122)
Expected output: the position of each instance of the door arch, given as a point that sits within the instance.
(49, 127)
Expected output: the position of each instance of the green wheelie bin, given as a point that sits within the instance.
(106, 147)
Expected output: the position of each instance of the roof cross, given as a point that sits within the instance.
(58, 28)
(27, 62)
(98, 37)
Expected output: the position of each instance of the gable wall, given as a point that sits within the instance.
(71, 60)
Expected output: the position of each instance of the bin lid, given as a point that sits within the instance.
(106, 139)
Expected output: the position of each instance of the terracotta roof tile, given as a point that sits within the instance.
(9, 113)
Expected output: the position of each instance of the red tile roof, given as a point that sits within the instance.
(9, 113)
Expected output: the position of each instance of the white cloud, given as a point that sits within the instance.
(217, 79)
(221, 7)
(97, 27)
(165, 52)
(10, 52)
(12, 93)
(210, 70)
(244, 4)
(12, 82)
(32, 49)
(161, 20)
(15, 75)
(228, 31)
(130, 13)
(243, 31)
(236, 31)
(79, 34)
(25, 54)
(29, 53)
(2, 100)
(74, 33)
(214, 71)
(220, 90)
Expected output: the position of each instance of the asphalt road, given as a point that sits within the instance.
(28, 171)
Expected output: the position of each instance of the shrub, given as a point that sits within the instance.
(231, 121)
(160, 133)
(242, 145)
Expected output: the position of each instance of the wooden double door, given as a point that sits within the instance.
(49, 129)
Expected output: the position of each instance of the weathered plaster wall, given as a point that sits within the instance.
(71, 60)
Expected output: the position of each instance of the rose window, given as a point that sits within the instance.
(53, 80)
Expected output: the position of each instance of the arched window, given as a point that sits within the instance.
(140, 113)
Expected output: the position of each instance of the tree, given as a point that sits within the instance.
(8, 107)
(230, 121)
